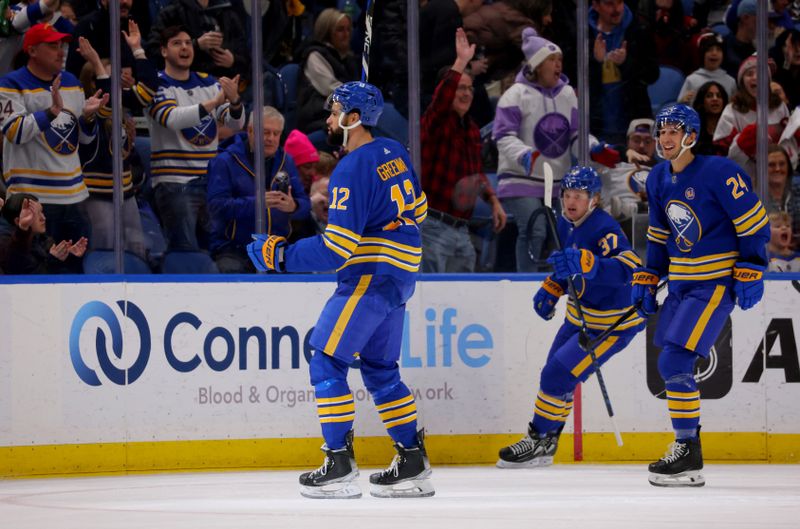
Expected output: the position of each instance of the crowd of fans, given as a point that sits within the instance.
(498, 93)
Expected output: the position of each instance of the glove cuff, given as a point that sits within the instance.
(644, 276)
(587, 261)
(746, 272)
(271, 253)
(552, 287)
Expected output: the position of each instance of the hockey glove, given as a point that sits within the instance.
(643, 291)
(573, 261)
(748, 284)
(603, 154)
(266, 252)
(544, 302)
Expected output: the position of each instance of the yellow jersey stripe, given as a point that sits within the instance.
(557, 410)
(705, 258)
(347, 312)
(763, 222)
(381, 259)
(751, 211)
(344, 254)
(388, 242)
(601, 349)
(683, 395)
(700, 326)
(344, 232)
(755, 219)
(343, 418)
(684, 405)
(549, 416)
(336, 410)
(551, 400)
(401, 421)
(342, 242)
(400, 412)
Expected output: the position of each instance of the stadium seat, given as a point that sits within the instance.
(392, 124)
(178, 262)
(289, 75)
(666, 88)
(102, 262)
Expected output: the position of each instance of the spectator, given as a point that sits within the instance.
(497, 28)
(741, 112)
(438, 21)
(790, 138)
(217, 31)
(536, 123)
(96, 157)
(779, 186)
(327, 62)
(23, 15)
(232, 193)
(712, 54)
(45, 117)
(710, 101)
(782, 255)
(452, 176)
(325, 166)
(67, 10)
(672, 31)
(620, 68)
(305, 157)
(183, 122)
(96, 26)
(786, 54)
(623, 183)
(25, 247)
(739, 43)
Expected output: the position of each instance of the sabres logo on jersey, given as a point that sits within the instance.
(202, 134)
(62, 136)
(685, 225)
(637, 178)
(552, 134)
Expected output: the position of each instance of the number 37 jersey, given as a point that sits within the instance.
(376, 206)
(703, 221)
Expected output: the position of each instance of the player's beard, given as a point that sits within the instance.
(336, 137)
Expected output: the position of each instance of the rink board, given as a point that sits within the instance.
(214, 375)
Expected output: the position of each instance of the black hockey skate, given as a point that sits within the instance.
(681, 466)
(530, 451)
(408, 476)
(336, 477)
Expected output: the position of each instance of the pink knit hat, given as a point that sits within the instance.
(300, 148)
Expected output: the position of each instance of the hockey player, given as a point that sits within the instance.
(372, 239)
(708, 232)
(599, 258)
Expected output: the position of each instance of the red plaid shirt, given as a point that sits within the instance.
(452, 175)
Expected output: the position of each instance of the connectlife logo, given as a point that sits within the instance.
(98, 309)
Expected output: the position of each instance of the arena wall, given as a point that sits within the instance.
(135, 375)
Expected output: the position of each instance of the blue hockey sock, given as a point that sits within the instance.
(550, 413)
(398, 411)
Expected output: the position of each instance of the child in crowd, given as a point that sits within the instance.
(782, 258)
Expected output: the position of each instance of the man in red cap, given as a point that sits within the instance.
(44, 117)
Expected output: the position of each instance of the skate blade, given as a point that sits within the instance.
(691, 478)
(420, 487)
(533, 463)
(343, 491)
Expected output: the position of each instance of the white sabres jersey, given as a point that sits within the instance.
(39, 156)
(183, 139)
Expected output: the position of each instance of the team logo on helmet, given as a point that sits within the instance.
(685, 225)
(203, 133)
(552, 134)
(62, 136)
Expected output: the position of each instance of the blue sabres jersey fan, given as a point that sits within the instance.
(376, 204)
(607, 296)
(703, 221)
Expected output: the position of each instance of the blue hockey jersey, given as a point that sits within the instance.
(376, 205)
(703, 221)
(606, 296)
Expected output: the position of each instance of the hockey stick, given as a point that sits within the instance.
(367, 41)
(551, 220)
(587, 344)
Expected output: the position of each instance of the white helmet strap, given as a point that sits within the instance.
(346, 128)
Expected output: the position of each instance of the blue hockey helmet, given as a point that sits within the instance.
(678, 113)
(581, 177)
(363, 97)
